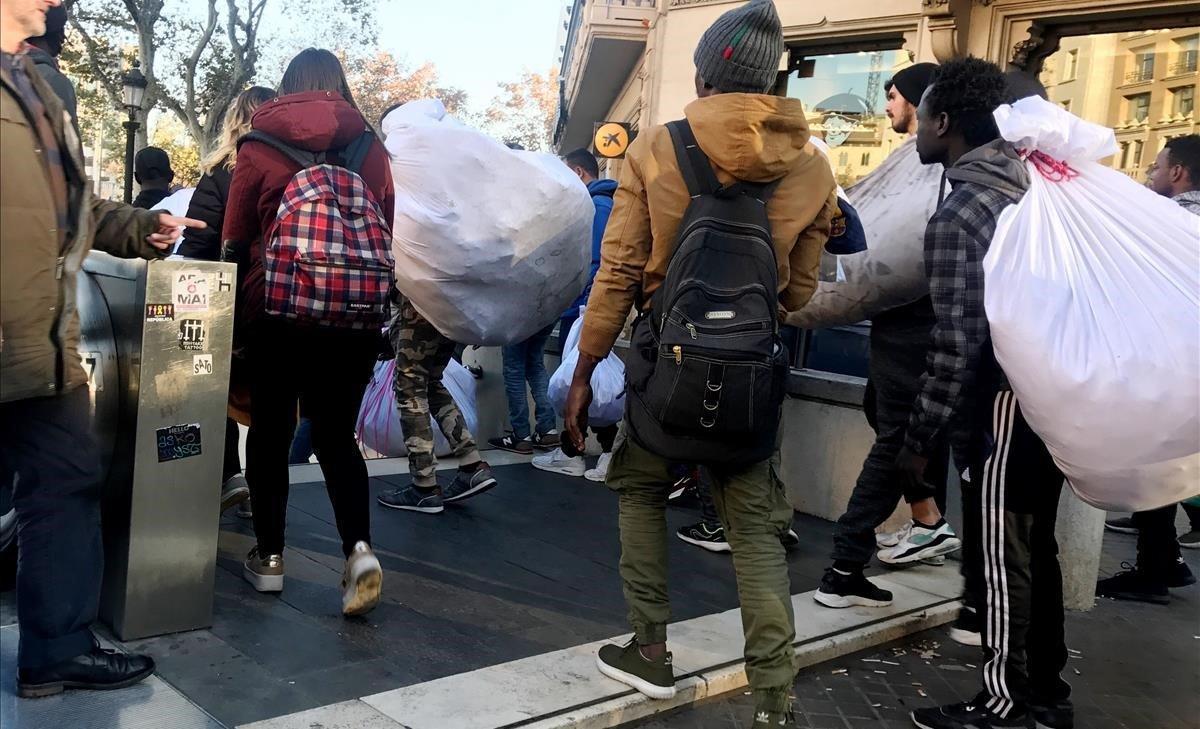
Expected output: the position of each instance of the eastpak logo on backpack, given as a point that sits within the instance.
(708, 369)
(328, 257)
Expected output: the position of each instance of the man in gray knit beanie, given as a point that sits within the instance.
(745, 134)
(740, 52)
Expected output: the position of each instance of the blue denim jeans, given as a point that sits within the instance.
(524, 363)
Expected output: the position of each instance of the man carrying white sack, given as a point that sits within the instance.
(1175, 174)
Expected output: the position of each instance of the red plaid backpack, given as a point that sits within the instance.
(327, 258)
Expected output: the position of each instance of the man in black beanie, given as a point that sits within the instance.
(152, 170)
(44, 54)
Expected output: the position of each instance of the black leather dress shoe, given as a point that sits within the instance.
(96, 670)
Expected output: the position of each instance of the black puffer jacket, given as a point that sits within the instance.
(208, 204)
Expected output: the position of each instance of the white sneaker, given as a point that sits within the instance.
(600, 472)
(362, 581)
(921, 543)
(887, 540)
(558, 462)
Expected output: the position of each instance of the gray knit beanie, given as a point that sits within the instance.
(740, 52)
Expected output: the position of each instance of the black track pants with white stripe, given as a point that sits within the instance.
(1018, 490)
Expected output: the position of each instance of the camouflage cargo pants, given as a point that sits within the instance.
(422, 354)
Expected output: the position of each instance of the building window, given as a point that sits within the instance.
(1071, 67)
(845, 103)
(1143, 66)
(1136, 154)
(1184, 100)
(1187, 55)
(1139, 107)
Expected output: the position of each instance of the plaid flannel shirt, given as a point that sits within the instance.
(960, 360)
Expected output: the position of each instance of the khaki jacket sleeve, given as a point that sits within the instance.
(623, 256)
(122, 230)
(805, 258)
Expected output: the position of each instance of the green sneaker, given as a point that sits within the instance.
(763, 719)
(627, 665)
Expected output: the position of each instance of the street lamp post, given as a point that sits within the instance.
(135, 91)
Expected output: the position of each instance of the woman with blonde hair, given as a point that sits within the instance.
(208, 204)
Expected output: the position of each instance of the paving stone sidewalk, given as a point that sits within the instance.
(1132, 666)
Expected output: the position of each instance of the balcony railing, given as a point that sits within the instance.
(1140, 75)
(1188, 62)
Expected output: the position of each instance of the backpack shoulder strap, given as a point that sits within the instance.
(301, 157)
(693, 163)
(355, 153)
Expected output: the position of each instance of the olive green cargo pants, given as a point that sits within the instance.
(755, 512)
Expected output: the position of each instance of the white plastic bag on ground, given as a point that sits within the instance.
(491, 244)
(608, 382)
(894, 203)
(1093, 298)
(379, 416)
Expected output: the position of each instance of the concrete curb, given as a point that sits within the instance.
(729, 678)
(563, 689)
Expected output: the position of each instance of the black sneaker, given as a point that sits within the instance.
(469, 483)
(411, 498)
(1121, 525)
(1133, 585)
(967, 628)
(547, 441)
(764, 718)
(843, 591)
(789, 539)
(1180, 575)
(705, 536)
(969, 715)
(512, 444)
(684, 487)
(1057, 715)
(627, 665)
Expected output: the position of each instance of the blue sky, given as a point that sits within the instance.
(475, 44)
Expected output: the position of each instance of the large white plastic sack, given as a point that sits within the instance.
(608, 382)
(894, 203)
(1093, 299)
(491, 244)
(379, 416)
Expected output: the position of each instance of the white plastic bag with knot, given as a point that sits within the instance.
(491, 244)
(608, 382)
(1093, 299)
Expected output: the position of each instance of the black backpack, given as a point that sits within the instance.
(707, 370)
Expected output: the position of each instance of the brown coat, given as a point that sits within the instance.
(39, 326)
(748, 137)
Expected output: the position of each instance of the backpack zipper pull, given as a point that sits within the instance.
(691, 330)
(678, 350)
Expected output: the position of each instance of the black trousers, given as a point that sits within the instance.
(899, 344)
(1157, 543)
(1018, 490)
(232, 463)
(328, 370)
(47, 444)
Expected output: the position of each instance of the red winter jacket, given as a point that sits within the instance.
(316, 121)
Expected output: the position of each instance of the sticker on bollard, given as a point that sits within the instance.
(202, 364)
(189, 291)
(191, 334)
(178, 441)
(160, 312)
